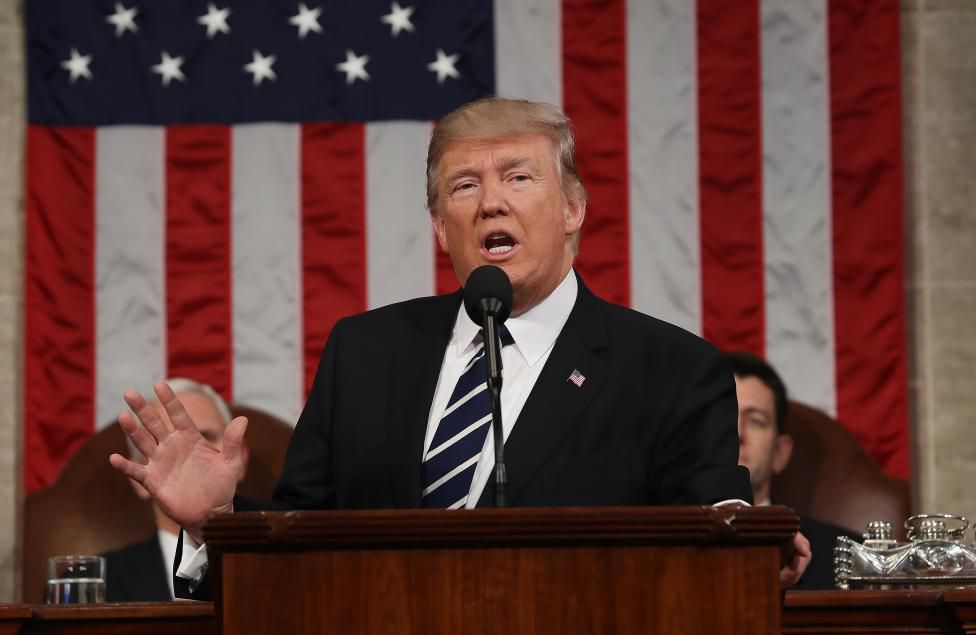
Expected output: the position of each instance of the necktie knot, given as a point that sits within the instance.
(503, 334)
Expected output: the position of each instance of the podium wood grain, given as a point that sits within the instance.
(595, 570)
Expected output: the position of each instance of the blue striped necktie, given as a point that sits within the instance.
(450, 462)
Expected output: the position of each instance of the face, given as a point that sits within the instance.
(204, 414)
(501, 202)
(761, 448)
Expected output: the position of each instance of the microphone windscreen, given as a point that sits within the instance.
(487, 281)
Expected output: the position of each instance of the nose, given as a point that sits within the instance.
(493, 201)
(742, 431)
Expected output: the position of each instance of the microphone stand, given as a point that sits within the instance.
(493, 356)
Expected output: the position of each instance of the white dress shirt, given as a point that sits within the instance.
(167, 544)
(534, 333)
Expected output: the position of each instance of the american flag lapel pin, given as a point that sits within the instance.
(577, 378)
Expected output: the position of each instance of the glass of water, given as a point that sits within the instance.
(75, 579)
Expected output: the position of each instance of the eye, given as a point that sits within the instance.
(464, 185)
(520, 178)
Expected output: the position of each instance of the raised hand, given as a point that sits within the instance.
(188, 478)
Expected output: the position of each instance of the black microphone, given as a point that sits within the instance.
(488, 301)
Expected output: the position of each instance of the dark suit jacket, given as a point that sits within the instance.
(137, 573)
(822, 536)
(654, 422)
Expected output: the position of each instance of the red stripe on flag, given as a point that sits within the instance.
(198, 255)
(59, 299)
(446, 281)
(594, 50)
(869, 305)
(730, 174)
(333, 231)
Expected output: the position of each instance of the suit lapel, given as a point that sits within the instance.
(555, 403)
(416, 366)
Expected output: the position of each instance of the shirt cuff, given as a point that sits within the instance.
(193, 562)
(731, 501)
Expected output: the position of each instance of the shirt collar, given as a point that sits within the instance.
(534, 331)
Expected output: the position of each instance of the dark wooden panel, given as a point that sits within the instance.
(864, 612)
(694, 570)
(963, 603)
(504, 590)
(164, 618)
(12, 617)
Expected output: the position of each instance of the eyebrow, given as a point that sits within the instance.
(506, 163)
(757, 410)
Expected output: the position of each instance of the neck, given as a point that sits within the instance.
(164, 522)
(761, 493)
(521, 302)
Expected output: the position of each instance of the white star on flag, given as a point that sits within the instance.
(354, 67)
(123, 19)
(444, 66)
(78, 65)
(169, 68)
(260, 67)
(398, 18)
(215, 20)
(306, 20)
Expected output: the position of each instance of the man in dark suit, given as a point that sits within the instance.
(138, 573)
(765, 447)
(602, 405)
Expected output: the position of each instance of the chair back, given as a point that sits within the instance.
(831, 478)
(91, 508)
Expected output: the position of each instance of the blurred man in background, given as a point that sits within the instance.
(765, 447)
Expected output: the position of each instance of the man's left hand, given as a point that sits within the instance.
(790, 574)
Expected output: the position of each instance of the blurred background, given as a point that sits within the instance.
(792, 178)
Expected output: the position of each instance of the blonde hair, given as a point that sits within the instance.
(496, 118)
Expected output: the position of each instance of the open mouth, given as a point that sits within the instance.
(499, 243)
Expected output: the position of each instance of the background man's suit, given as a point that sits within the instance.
(652, 424)
(137, 573)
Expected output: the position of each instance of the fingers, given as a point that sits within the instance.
(234, 439)
(174, 407)
(131, 469)
(148, 415)
(802, 545)
(143, 441)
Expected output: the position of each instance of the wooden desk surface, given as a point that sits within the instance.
(150, 618)
(858, 612)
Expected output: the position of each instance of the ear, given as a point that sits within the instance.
(440, 229)
(575, 212)
(783, 452)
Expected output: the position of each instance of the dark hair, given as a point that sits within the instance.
(746, 365)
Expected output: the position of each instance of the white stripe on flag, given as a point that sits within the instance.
(399, 237)
(266, 231)
(663, 164)
(528, 51)
(130, 309)
(796, 198)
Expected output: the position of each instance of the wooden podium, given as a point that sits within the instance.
(555, 570)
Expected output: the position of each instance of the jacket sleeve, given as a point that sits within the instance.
(697, 457)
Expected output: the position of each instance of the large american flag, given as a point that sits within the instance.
(211, 185)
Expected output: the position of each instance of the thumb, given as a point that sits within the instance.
(233, 439)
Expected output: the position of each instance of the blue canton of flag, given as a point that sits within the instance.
(100, 62)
